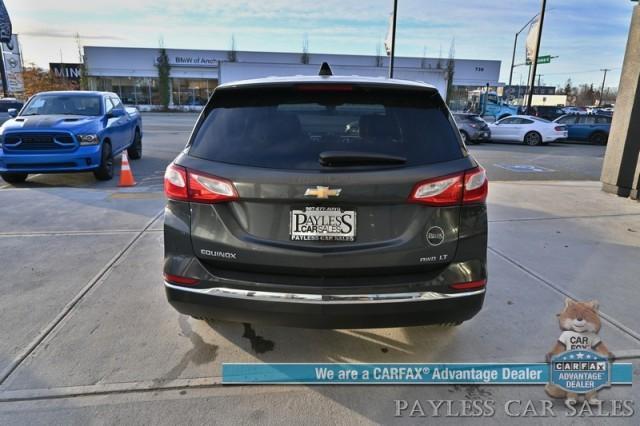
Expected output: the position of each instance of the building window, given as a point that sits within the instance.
(132, 90)
(145, 91)
(192, 92)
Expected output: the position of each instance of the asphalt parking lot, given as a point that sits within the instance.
(87, 335)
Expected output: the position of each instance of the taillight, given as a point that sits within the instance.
(560, 128)
(210, 189)
(182, 184)
(177, 279)
(476, 186)
(324, 87)
(441, 191)
(175, 183)
(464, 188)
(470, 285)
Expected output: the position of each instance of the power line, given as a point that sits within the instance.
(581, 72)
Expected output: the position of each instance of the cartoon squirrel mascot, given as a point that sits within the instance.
(580, 325)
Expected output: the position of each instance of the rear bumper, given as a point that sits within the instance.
(84, 158)
(324, 310)
(481, 135)
(557, 136)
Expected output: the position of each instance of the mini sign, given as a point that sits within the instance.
(67, 71)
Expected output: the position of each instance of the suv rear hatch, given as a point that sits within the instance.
(326, 180)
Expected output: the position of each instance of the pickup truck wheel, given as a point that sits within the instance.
(14, 177)
(105, 171)
(135, 150)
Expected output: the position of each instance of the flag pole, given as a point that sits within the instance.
(393, 37)
(534, 60)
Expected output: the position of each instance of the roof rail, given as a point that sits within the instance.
(325, 69)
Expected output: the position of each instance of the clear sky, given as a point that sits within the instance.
(587, 35)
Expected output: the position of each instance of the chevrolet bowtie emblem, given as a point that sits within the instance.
(322, 192)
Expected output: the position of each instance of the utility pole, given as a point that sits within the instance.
(393, 37)
(539, 78)
(604, 78)
(536, 53)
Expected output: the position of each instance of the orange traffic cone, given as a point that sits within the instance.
(126, 177)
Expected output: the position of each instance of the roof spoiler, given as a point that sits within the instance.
(325, 69)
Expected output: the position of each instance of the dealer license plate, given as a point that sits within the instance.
(323, 224)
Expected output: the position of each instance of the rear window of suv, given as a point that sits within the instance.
(288, 128)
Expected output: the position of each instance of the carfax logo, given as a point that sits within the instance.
(580, 372)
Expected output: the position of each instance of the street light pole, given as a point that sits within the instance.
(604, 78)
(535, 56)
(393, 37)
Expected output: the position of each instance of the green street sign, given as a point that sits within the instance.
(541, 60)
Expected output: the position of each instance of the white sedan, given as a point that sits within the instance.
(527, 129)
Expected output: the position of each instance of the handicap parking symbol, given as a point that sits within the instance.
(524, 168)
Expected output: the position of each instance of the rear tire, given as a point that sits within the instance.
(105, 170)
(533, 139)
(598, 138)
(135, 150)
(14, 177)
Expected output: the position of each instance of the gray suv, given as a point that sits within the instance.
(279, 212)
(472, 127)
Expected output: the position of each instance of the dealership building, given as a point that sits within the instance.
(132, 72)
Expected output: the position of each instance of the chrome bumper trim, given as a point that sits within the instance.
(268, 296)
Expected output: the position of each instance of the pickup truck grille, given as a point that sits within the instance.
(38, 141)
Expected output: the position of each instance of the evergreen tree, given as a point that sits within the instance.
(164, 72)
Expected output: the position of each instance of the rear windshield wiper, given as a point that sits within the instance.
(355, 158)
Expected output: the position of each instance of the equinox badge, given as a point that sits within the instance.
(322, 192)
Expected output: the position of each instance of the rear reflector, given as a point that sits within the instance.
(176, 279)
(471, 285)
(182, 184)
(468, 187)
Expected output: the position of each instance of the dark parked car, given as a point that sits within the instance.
(6, 105)
(547, 112)
(472, 127)
(593, 127)
(276, 214)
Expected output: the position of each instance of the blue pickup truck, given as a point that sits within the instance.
(62, 132)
